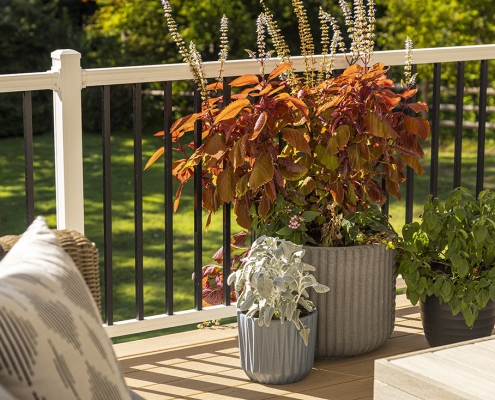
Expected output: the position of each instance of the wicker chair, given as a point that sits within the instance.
(82, 251)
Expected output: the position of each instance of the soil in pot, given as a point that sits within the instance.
(441, 327)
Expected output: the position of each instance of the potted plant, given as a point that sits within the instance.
(448, 263)
(273, 312)
(320, 145)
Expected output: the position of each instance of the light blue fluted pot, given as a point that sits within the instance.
(275, 354)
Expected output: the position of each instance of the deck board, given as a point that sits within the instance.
(204, 365)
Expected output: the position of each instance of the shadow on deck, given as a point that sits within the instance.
(204, 364)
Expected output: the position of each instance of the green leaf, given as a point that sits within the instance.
(431, 219)
(329, 161)
(460, 265)
(480, 235)
(468, 315)
(342, 134)
(284, 231)
(446, 291)
(310, 215)
(482, 298)
(460, 213)
(412, 296)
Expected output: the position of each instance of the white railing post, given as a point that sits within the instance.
(68, 140)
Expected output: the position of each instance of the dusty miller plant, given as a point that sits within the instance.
(273, 282)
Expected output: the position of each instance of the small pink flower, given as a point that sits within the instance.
(295, 222)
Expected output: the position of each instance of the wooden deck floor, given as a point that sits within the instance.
(205, 365)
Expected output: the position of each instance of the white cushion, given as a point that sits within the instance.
(52, 342)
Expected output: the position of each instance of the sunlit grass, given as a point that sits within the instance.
(13, 220)
(445, 178)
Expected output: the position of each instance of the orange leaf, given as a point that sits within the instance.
(409, 93)
(337, 193)
(264, 91)
(414, 164)
(296, 139)
(259, 125)
(226, 185)
(245, 93)
(209, 198)
(307, 186)
(241, 211)
(239, 239)
(278, 70)
(417, 126)
(353, 69)
(335, 102)
(299, 104)
(155, 157)
(177, 196)
(207, 225)
(420, 106)
(262, 172)
(270, 190)
(185, 124)
(215, 145)
(232, 110)
(378, 127)
(264, 206)
(215, 86)
(238, 153)
(248, 79)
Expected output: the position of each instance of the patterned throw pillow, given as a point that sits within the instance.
(52, 343)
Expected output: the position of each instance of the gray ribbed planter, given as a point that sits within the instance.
(275, 354)
(357, 315)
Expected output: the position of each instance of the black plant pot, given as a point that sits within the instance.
(441, 327)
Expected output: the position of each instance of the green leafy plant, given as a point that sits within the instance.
(272, 282)
(450, 253)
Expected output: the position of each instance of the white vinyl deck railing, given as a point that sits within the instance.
(67, 80)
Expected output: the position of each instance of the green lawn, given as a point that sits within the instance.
(12, 211)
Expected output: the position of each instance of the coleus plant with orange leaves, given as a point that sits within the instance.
(240, 154)
(321, 143)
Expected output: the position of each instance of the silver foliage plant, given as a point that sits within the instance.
(272, 281)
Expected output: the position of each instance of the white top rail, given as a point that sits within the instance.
(26, 82)
(173, 72)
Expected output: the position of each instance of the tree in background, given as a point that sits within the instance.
(134, 32)
(30, 31)
(436, 23)
(441, 23)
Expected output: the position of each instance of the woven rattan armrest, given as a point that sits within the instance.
(82, 251)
